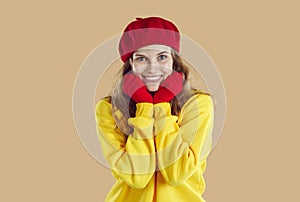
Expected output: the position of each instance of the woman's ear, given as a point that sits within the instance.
(130, 61)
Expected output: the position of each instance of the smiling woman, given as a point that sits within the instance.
(155, 130)
(152, 64)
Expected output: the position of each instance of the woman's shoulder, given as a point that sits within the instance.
(200, 95)
(199, 98)
(104, 103)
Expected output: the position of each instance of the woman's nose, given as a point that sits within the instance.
(153, 67)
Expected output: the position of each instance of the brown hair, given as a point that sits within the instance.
(123, 107)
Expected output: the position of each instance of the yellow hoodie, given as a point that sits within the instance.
(164, 157)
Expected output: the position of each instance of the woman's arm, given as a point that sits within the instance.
(182, 148)
(132, 160)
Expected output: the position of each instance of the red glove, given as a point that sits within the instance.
(169, 88)
(134, 87)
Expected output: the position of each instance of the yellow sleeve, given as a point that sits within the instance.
(132, 160)
(182, 148)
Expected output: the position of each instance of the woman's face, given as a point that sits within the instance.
(152, 64)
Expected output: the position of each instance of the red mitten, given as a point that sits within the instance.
(134, 87)
(169, 88)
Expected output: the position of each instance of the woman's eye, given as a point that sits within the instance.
(140, 59)
(162, 57)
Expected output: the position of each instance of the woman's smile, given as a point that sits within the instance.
(152, 79)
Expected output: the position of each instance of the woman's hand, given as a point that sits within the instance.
(134, 87)
(169, 88)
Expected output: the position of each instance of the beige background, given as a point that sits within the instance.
(255, 45)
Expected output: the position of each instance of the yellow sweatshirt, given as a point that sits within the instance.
(164, 157)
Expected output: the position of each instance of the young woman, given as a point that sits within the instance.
(155, 130)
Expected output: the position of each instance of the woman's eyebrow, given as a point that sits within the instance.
(137, 54)
(163, 52)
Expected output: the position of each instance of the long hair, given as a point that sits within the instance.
(123, 107)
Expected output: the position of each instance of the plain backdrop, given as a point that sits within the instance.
(255, 45)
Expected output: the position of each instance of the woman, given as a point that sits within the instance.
(155, 130)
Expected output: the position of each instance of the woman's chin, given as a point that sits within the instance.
(152, 87)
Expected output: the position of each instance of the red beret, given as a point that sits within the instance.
(147, 31)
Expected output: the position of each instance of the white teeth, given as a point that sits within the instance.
(152, 78)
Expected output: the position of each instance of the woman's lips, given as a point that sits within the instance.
(152, 79)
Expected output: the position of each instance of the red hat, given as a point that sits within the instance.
(148, 31)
